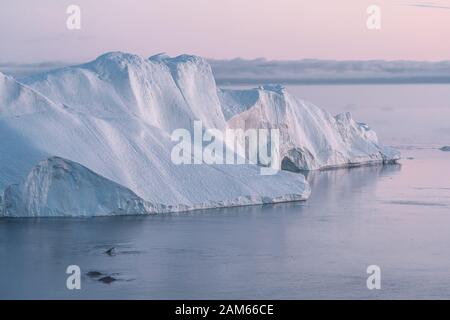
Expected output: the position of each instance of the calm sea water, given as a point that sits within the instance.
(396, 217)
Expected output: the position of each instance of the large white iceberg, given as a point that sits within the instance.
(124, 149)
(109, 122)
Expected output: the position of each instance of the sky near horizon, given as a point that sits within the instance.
(35, 31)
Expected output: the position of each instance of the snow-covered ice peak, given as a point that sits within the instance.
(164, 92)
(159, 57)
(116, 66)
(183, 58)
(187, 67)
(120, 58)
(277, 88)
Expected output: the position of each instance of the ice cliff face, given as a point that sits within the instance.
(311, 138)
(58, 187)
(104, 128)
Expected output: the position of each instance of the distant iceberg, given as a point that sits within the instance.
(94, 139)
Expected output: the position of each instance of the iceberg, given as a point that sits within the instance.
(122, 148)
(311, 138)
(95, 139)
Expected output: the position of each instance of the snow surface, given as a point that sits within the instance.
(167, 93)
(311, 138)
(104, 128)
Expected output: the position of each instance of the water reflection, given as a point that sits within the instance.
(319, 248)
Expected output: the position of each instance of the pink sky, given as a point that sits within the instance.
(275, 29)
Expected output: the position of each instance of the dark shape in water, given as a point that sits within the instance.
(107, 279)
(94, 274)
(445, 148)
(111, 251)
